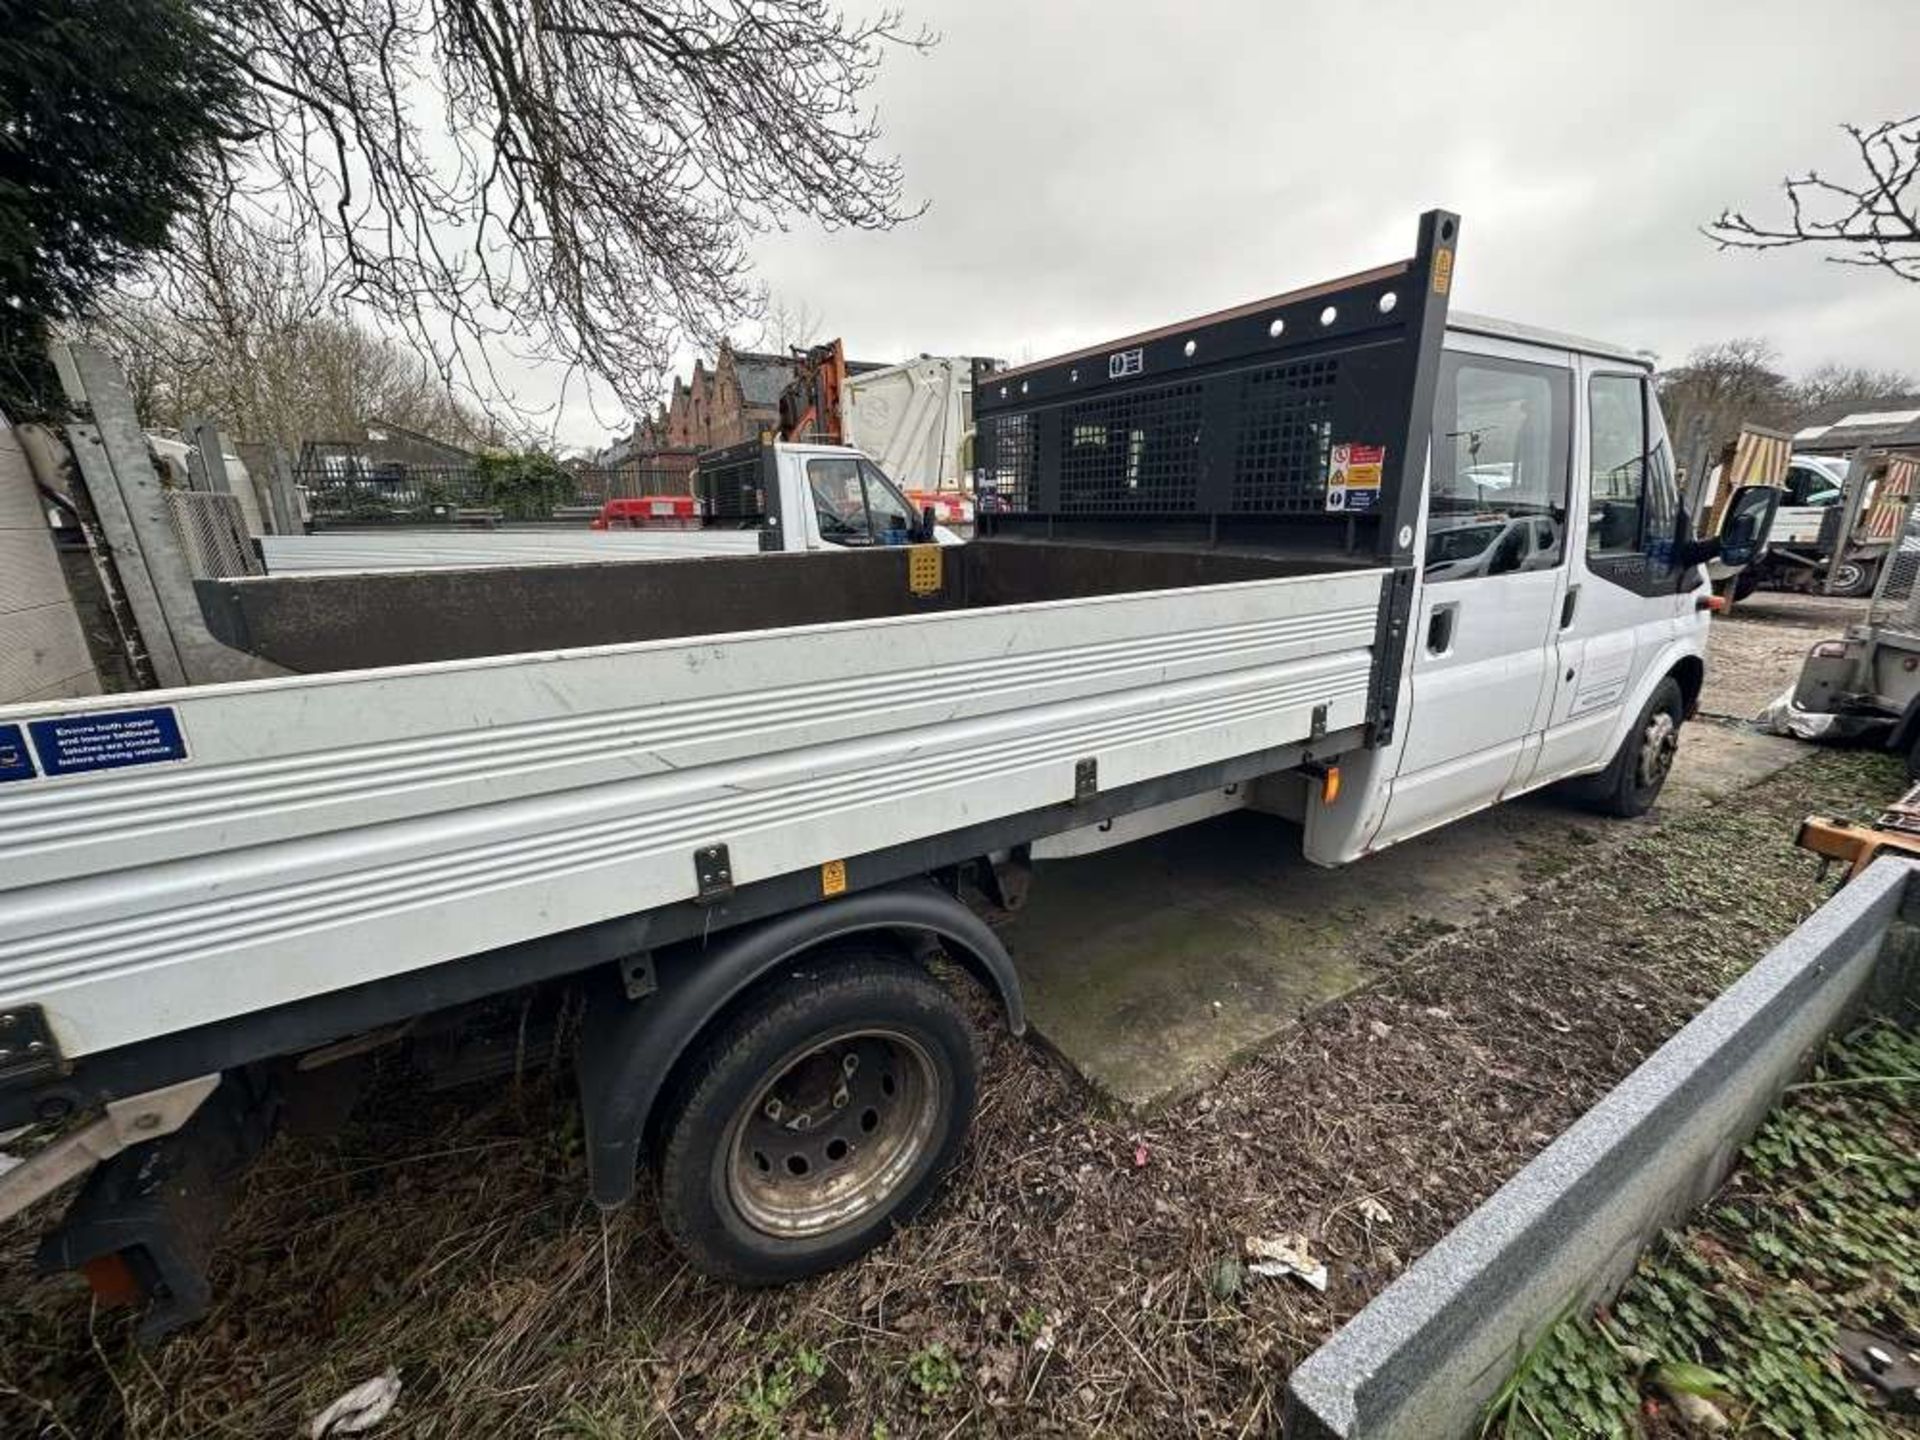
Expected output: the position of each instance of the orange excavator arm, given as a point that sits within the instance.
(810, 405)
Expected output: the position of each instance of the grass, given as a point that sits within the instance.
(1813, 1231)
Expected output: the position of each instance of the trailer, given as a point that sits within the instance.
(723, 813)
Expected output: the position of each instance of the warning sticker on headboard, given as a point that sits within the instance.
(1353, 478)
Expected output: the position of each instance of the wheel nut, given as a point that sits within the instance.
(773, 1111)
(840, 1098)
(850, 1063)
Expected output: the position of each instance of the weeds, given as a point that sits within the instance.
(1813, 1231)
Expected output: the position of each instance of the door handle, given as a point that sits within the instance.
(1569, 606)
(1440, 628)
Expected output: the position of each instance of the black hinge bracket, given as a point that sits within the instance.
(27, 1048)
(636, 974)
(1086, 780)
(714, 871)
(1318, 730)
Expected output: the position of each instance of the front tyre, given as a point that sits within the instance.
(1633, 781)
(816, 1118)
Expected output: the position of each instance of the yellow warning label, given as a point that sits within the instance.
(923, 569)
(1442, 271)
(833, 878)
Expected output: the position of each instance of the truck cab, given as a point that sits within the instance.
(801, 497)
(1555, 625)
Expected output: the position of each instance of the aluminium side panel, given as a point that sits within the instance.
(254, 844)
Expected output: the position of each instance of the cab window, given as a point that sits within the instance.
(1633, 498)
(1498, 500)
(1810, 485)
(855, 504)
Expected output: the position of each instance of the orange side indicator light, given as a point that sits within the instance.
(1330, 785)
(1716, 603)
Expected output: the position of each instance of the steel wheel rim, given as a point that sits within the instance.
(1657, 747)
(833, 1136)
(1848, 576)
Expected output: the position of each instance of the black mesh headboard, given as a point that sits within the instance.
(1300, 420)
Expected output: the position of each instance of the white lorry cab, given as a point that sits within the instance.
(718, 813)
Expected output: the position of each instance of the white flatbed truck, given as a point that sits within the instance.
(726, 809)
(790, 497)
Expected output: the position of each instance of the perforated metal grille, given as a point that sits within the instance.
(1131, 453)
(1896, 596)
(1011, 452)
(1286, 433)
(732, 492)
(212, 529)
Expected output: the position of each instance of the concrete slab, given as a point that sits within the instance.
(1151, 966)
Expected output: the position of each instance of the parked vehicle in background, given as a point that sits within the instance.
(914, 419)
(709, 821)
(1838, 520)
(764, 495)
(1868, 680)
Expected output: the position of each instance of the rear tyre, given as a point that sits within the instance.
(818, 1117)
(1744, 584)
(1850, 578)
(1913, 757)
(1633, 780)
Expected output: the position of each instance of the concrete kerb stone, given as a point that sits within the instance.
(1423, 1358)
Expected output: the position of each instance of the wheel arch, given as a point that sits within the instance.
(630, 1048)
(1689, 672)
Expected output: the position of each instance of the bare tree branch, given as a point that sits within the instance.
(574, 179)
(1870, 220)
(245, 331)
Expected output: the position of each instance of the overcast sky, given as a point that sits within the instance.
(1104, 166)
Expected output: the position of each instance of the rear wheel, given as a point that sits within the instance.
(1639, 770)
(816, 1119)
(1850, 578)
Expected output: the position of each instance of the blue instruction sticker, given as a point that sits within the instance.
(77, 743)
(16, 763)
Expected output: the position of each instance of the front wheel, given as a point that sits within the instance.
(1633, 781)
(822, 1114)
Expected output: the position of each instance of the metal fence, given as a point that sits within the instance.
(364, 492)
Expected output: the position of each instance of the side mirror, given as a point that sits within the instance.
(1748, 522)
(927, 522)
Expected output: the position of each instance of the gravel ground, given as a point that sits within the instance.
(1755, 652)
(1079, 1274)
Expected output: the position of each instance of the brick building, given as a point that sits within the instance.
(734, 401)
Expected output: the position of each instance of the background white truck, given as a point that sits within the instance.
(719, 813)
(764, 495)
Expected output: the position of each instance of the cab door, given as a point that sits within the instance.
(1624, 604)
(1495, 541)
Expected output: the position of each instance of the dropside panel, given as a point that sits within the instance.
(330, 830)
